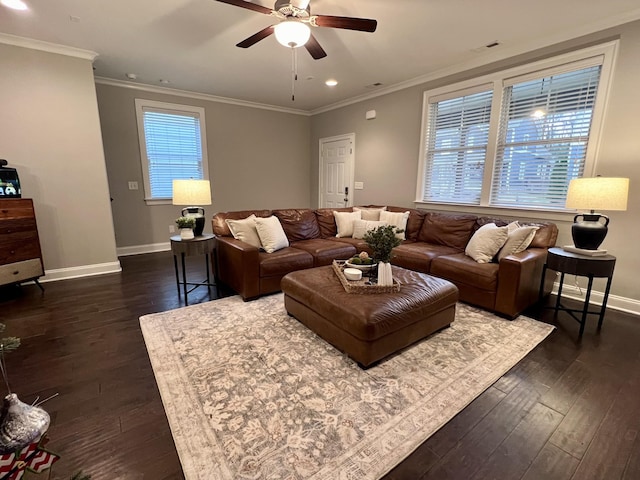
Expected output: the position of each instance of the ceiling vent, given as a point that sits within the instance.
(374, 85)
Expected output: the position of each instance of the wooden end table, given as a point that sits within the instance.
(202, 245)
(591, 267)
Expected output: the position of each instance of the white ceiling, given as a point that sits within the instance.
(191, 43)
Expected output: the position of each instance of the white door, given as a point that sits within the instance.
(336, 171)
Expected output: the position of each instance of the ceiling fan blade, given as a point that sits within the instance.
(314, 48)
(256, 37)
(248, 6)
(349, 23)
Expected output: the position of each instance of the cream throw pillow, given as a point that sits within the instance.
(518, 240)
(370, 213)
(486, 242)
(397, 219)
(360, 227)
(271, 234)
(344, 222)
(245, 230)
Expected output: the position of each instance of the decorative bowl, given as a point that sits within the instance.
(352, 274)
(362, 267)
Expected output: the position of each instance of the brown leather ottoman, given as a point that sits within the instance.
(372, 326)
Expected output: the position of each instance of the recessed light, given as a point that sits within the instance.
(131, 76)
(331, 82)
(15, 4)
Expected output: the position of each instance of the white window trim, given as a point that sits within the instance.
(169, 108)
(499, 80)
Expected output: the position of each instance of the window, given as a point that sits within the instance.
(172, 146)
(515, 139)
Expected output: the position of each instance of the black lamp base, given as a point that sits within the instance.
(589, 233)
(198, 214)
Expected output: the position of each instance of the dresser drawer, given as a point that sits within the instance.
(16, 247)
(20, 271)
(16, 208)
(15, 225)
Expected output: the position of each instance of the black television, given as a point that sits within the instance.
(9, 181)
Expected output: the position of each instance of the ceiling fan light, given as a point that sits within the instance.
(292, 33)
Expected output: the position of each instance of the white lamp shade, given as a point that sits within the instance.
(292, 33)
(191, 192)
(598, 193)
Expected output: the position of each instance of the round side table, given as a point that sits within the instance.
(591, 267)
(202, 245)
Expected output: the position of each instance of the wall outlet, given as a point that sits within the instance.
(172, 229)
(133, 185)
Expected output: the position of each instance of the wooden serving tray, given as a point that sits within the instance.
(361, 286)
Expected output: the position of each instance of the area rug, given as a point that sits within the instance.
(250, 393)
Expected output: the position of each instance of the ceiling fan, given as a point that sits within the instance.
(293, 29)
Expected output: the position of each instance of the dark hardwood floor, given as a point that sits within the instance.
(569, 410)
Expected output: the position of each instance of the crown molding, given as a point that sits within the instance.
(198, 96)
(47, 47)
(490, 57)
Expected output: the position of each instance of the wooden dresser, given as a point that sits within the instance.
(20, 255)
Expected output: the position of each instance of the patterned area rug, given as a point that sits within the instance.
(250, 393)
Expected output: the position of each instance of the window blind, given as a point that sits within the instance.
(543, 136)
(456, 148)
(174, 149)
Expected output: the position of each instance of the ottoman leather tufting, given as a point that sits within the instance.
(370, 327)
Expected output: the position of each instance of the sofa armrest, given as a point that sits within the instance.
(239, 266)
(519, 278)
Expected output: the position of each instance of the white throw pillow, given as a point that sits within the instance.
(370, 213)
(397, 219)
(344, 222)
(486, 242)
(245, 230)
(271, 234)
(360, 227)
(518, 240)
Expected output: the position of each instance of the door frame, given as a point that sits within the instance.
(352, 168)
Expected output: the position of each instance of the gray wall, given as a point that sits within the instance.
(50, 132)
(257, 159)
(387, 147)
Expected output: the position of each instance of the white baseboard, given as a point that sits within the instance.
(624, 304)
(140, 249)
(81, 271)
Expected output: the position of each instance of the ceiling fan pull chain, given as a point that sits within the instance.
(294, 73)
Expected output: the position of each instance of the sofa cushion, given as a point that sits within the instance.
(519, 238)
(271, 234)
(344, 222)
(245, 230)
(283, 261)
(447, 229)
(361, 227)
(325, 251)
(486, 242)
(298, 224)
(327, 222)
(398, 220)
(461, 269)
(370, 213)
(418, 255)
(220, 227)
(414, 223)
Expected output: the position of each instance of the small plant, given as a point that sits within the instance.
(186, 222)
(382, 240)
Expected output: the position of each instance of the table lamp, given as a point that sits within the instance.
(594, 193)
(192, 192)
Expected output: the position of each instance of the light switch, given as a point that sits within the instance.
(133, 185)
(359, 185)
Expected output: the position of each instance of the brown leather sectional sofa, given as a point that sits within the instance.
(435, 244)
